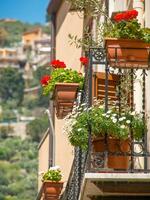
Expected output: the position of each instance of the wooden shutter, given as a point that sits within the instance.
(99, 86)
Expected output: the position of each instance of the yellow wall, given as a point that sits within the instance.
(29, 38)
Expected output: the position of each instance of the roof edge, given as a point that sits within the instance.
(53, 6)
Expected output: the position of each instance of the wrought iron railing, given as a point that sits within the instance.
(92, 161)
(137, 150)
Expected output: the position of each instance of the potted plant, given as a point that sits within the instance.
(52, 184)
(126, 42)
(63, 83)
(116, 125)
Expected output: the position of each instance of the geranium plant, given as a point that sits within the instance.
(115, 124)
(53, 174)
(125, 25)
(60, 74)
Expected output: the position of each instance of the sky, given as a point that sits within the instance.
(31, 11)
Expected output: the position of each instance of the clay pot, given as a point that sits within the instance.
(64, 97)
(120, 162)
(118, 146)
(52, 190)
(127, 53)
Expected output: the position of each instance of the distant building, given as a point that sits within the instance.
(38, 44)
(29, 37)
(8, 20)
(9, 57)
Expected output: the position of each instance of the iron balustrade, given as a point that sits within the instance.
(91, 161)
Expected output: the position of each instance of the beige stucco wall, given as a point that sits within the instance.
(66, 22)
(43, 157)
(69, 23)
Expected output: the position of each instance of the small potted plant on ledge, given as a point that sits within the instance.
(117, 126)
(63, 83)
(52, 185)
(127, 44)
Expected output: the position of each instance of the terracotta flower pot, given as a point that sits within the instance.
(118, 146)
(114, 146)
(127, 53)
(98, 144)
(52, 190)
(64, 96)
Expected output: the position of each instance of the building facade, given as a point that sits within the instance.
(93, 183)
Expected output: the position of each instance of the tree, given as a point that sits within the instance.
(18, 169)
(3, 36)
(37, 127)
(42, 99)
(11, 85)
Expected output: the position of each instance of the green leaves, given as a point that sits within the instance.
(18, 169)
(63, 76)
(52, 175)
(115, 124)
(11, 85)
(127, 30)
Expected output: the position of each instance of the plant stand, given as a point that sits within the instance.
(52, 190)
(127, 53)
(65, 95)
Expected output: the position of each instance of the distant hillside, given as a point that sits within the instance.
(11, 31)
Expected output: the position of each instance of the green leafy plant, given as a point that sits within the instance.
(125, 25)
(60, 75)
(115, 124)
(53, 174)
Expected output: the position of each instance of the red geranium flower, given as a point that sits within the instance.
(45, 79)
(58, 64)
(84, 60)
(128, 15)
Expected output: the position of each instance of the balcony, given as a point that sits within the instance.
(93, 175)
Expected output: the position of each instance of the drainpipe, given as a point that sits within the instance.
(51, 136)
(50, 111)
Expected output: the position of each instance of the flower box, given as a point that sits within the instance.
(52, 190)
(127, 53)
(64, 96)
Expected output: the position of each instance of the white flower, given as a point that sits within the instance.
(109, 111)
(83, 104)
(128, 121)
(133, 113)
(104, 114)
(107, 116)
(55, 168)
(122, 126)
(114, 114)
(85, 109)
(114, 120)
(121, 119)
(79, 129)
